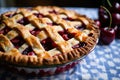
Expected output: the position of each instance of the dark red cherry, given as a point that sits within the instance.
(116, 7)
(69, 19)
(50, 24)
(31, 53)
(54, 44)
(53, 11)
(35, 32)
(39, 15)
(103, 17)
(107, 35)
(5, 30)
(23, 21)
(1, 31)
(11, 15)
(48, 44)
(102, 11)
(116, 18)
(65, 36)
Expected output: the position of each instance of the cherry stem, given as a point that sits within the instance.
(108, 1)
(109, 15)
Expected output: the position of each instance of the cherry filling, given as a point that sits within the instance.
(39, 15)
(53, 11)
(91, 34)
(23, 21)
(35, 32)
(18, 41)
(48, 44)
(66, 35)
(52, 24)
(10, 15)
(68, 19)
(28, 51)
(81, 27)
(5, 30)
(81, 44)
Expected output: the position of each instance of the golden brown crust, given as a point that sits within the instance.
(14, 56)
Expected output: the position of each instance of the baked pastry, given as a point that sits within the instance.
(45, 36)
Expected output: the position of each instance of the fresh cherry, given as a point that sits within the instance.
(116, 18)
(107, 35)
(116, 7)
(103, 17)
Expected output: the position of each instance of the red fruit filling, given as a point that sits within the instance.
(53, 11)
(68, 19)
(5, 31)
(81, 44)
(28, 51)
(35, 32)
(31, 53)
(39, 15)
(23, 21)
(18, 41)
(10, 15)
(82, 27)
(52, 24)
(91, 34)
(66, 35)
(48, 44)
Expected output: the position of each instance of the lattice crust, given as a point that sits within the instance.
(41, 24)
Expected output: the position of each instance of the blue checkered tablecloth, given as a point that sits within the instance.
(103, 63)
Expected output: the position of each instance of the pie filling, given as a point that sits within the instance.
(35, 32)
(10, 15)
(23, 21)
(81, 44)
(18, 42)
(48, 44)
(68, 19)
(28, 51)
(65, 35)
(53, 11)
(5, 30)
(39, 15)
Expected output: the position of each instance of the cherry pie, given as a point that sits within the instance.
(45, 36)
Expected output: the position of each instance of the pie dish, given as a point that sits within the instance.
(45, 36)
